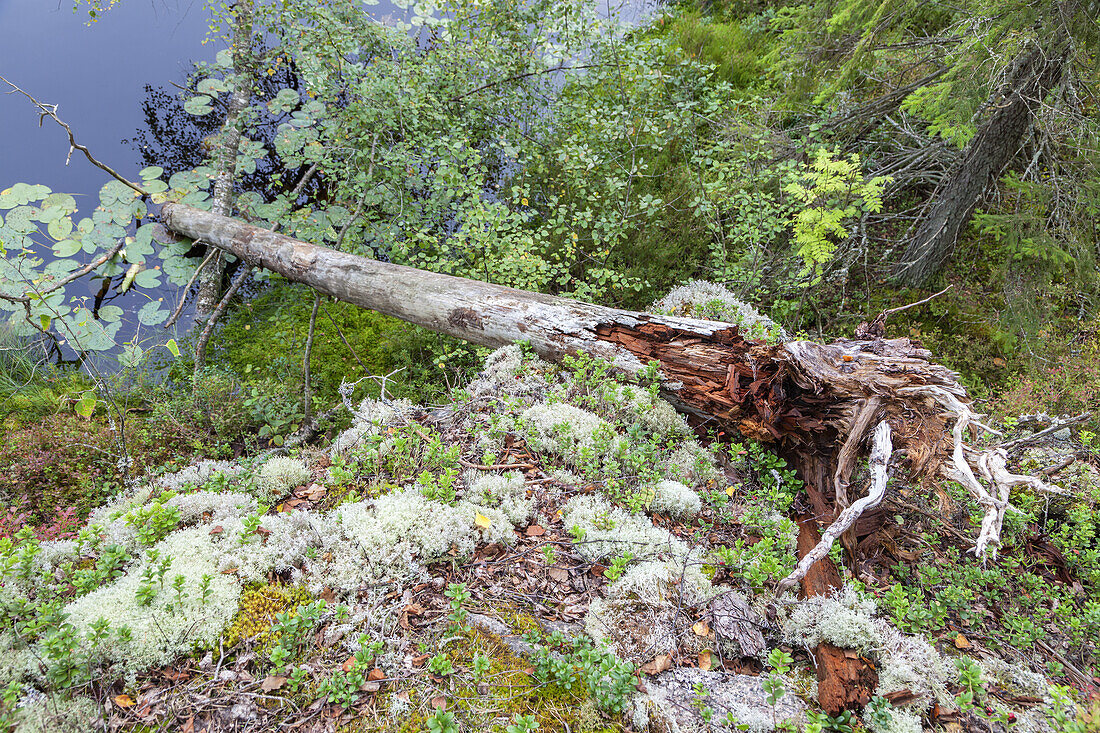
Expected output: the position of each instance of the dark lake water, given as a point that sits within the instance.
(96, 74)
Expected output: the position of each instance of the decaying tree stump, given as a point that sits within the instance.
(819, 403)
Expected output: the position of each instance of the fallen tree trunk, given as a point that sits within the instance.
(811, 399)
(817, 402)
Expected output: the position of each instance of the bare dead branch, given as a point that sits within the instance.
(50, 110)
(1010, 445)
(309, 353)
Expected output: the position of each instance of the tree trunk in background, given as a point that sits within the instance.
(986, 156)
(229, 141)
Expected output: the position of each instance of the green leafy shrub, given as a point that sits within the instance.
(579, 665)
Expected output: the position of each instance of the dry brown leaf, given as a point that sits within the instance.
(419, 661)
(439, 703)
(348, 665)
(559, 574)
(706, 663)
(370, 686)
(188, 725)
(701, 628)
(961, 642)
(403, 696)
(272, 682)
(535, 530)
(376, 674)
(123, 701)
(217, 530)
(659, 664)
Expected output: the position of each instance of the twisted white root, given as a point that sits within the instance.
(881, 448)
(991, 464)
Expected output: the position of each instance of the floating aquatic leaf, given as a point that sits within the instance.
(152, 314)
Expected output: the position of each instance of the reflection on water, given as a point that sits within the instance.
(98, 76)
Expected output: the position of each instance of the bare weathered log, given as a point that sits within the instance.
(817, 402)
(806, 397)
(799, 392)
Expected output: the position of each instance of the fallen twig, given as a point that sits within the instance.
(1009, 445)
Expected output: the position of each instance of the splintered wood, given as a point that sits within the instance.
(742, 383)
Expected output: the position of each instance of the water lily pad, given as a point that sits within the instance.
(198, 106)
(22, 194)
(110, 313)
(147, 279)
(152, 313)
(63, 201)
(66, 248)
(61, 228)
(211, 87)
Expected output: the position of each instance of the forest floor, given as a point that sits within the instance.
(552, 548)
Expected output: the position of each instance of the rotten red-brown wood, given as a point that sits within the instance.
(845, 679)
(740, 382)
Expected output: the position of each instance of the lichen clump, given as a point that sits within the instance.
(170, 623)
(849, 621)
(713, 302)
(278, 475)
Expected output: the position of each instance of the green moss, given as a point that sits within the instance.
(506, 690)
(264, 338)
(520, 621)
(257, 610)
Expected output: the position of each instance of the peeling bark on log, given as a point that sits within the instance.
(815, 402)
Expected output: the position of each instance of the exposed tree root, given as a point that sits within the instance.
(881, 448)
